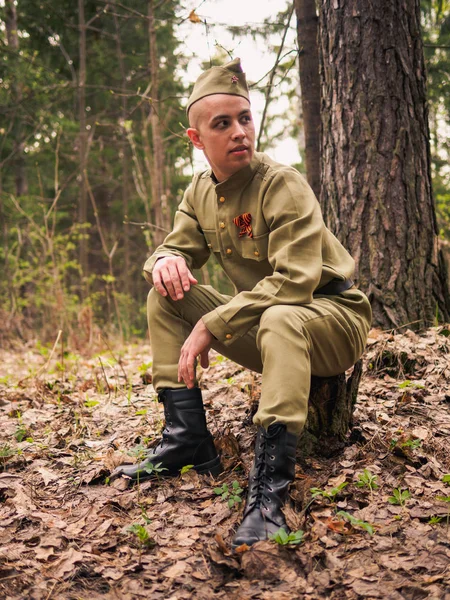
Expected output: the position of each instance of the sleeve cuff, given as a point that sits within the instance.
(219, 329)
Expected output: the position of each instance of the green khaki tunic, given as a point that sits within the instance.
(275, 324)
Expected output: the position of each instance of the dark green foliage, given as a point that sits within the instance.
(43, 285)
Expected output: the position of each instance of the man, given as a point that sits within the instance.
(296, 311)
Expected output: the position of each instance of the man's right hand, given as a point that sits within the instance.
(171, 276)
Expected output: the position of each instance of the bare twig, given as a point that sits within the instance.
(45, 366)
(272, 76)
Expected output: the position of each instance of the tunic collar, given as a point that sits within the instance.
(240, 178)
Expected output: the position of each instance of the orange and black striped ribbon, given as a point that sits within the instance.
(244, 224)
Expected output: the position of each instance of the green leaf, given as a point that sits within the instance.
(187, 468)
(356, 522)
(446, 478)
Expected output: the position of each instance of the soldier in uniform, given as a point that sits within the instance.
(296, 312)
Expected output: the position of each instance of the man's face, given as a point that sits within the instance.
(222, 126)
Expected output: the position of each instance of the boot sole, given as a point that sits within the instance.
(212, 467)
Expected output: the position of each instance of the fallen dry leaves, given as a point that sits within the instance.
(65, 530)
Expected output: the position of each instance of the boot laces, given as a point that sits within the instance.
(261, 480)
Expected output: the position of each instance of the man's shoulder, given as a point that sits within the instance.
(201, 179)
(270, 168)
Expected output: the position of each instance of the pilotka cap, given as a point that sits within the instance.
(228, 79)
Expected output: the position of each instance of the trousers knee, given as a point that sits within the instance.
(278, 320)
(154, 303)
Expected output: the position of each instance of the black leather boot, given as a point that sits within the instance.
(185, 439)
(272, 471)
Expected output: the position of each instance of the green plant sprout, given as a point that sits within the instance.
(144, 367)
(186, 469)
(399, 497)
(142, 535)
(154, 469)
(285, 539)
(408, 383)
(6, 451)
(21, 432)
(144, 515)
(141, 411)
(232, 495)
(90, 403)
(366, 479)
(413, 444)
(434, 520)
(138, 452)
(354, 522)
(446, 499)
(446, 478)
(330, 494)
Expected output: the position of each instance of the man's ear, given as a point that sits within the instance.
(194, 136)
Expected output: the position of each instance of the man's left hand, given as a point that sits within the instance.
(198, 343)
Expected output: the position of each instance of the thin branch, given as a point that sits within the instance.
(146, 224)
(272, 76)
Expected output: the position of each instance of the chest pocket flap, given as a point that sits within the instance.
(255, 248)
(211, 240)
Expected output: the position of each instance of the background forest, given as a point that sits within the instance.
(93, 159)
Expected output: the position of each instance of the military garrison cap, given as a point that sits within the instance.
(228, 79)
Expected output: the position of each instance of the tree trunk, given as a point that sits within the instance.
(307, 29)
(376, 184)
(330, 412)
(160, 209)
(82, 140)
(21, 182)
(127, 280)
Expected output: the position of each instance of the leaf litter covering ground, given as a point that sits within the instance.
(65, 533)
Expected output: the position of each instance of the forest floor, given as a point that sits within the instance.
(67, 532)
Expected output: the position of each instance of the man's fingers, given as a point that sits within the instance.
(176, 282)
(167, 281)
(184, 273)
(186, 276)
(157, 283)
(192, 278)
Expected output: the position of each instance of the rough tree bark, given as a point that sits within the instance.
(376, 184)
(330, 412)
(307, 29)
(12, 36)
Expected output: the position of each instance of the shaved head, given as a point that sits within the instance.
(195, 113)
(202, 107)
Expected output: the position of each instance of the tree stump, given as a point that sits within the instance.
(330, 412)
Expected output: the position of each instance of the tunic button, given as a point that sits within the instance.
(228, 336)
(209, 245)
(256, 253)
(222, 225)
(221, 199)
(228, 250)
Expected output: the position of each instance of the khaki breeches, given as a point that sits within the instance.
(290, 344)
